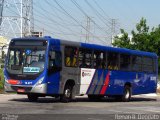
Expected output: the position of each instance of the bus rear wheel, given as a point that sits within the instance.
(126, 95)
(32, 97)
(67, 94)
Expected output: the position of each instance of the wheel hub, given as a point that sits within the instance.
(67, 93)
(127, 94)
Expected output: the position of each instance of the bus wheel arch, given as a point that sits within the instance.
(68, 91)
(127, 92)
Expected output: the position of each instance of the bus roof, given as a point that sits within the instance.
(94, 46)
(119, 50)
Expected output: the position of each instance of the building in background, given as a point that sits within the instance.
(37, 34)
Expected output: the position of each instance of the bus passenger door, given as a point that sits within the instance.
(70, 67)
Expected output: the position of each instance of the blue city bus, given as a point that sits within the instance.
(40, 67)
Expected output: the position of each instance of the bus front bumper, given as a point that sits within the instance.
(42, 88)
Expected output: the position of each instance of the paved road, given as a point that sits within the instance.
(12, 104)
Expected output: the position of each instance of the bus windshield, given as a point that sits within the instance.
(25, 60)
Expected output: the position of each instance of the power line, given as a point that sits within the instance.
(101, 9)
(54, 21)
(73, 18)
(97, 13)
(79, 7)
(48, 25)
(57, 15)
(111, 20)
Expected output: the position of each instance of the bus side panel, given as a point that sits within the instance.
(144, 83)
(150, 83)
(105, 82)
(53, 83)
(117, 82)
(138, 83)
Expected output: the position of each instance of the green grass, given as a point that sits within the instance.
(2, 79)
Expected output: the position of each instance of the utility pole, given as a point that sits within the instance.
(1, 10)
(113, 29)
(21, 18)
(88, 26)
(114, 24)
(17, 18)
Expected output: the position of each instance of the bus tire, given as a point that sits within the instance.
(32, 97)
(67, 94)
(127, 94)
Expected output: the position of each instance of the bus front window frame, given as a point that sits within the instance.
(20, 60)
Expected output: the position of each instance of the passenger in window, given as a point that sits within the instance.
(115, 67)
(103, 64)
(112, 66)
(83, 64)
(74, 58)
(68, 59)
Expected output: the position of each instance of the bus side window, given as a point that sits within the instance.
(85, 58)
(125, 62)
(99, 60)
(55, 61)
(136, 63)
(113, 60)
(148, 64)
(71, 54)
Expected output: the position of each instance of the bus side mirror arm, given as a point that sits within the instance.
(3, 55)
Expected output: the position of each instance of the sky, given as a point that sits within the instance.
(127, 14)
(67, 19)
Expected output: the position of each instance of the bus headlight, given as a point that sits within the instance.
(40, 81)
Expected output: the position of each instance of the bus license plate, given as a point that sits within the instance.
(21, 90)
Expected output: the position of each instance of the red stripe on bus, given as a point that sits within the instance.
(105, 85)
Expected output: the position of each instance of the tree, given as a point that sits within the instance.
(142, 38)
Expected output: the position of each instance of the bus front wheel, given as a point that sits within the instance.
(67, 94)
(32, 97)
